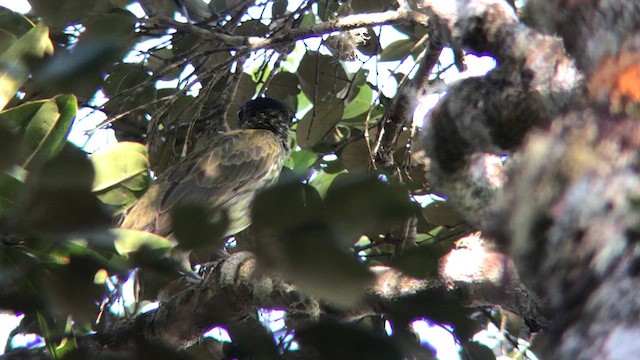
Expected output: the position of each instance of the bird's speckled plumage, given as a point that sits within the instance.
(224, 174)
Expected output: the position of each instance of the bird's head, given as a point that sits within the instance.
(267, 114)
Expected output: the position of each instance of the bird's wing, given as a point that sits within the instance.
(234, 164)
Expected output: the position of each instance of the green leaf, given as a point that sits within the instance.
(123, 77)
(14, 71)
(357, 80)
(322, 181)
(309, 19)
(197, 226)
(328, 9)
(251, 340)
(79, 69)
(317, 123)
(369, 6)
(420, 262)
(320, 76)
(43, 125)
(59, 13)
(355, 155)
(285, 87)
(69, 289)
(438, 213)
(9, 147)
(253, 27)
(397, 50)
(301, 160)
(359, 204)
(6, 40)
(11, 189)
(121, 162)
(14, 23)
(128, 241)
(284, 205)
(279, 7)
(361, 104)
(282, 85)
(59, 198)
(314, 262)
(118, 197)
(122, 174)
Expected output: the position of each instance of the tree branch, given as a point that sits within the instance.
(255, 43)
(533, 82)
(236, 287)
(400, 112)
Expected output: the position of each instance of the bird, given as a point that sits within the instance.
(225, 174)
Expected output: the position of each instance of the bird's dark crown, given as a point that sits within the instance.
(267, 114)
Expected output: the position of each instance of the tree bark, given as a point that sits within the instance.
(565, 202)
(472, 275)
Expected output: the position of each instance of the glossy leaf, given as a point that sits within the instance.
(9, 147)
(122, 174)
(323, 180)
(279, 7)
(397, 50)
(43, 125)
(438, 213)
(80, 69)
(58, 197)
(196, 226)
(302, 160)
(14, 71)
(59, 13)
(420, 262)
(314, 262)
(317, 123)
(121, 162)
(128, 241)
(11, 189)
(6, 40)
(284, 206)
(70, 288)
(360, 104)
(320, 76)
(123, 77)
(356, 155)
(362, 204)
(285, 87)
(14, 23)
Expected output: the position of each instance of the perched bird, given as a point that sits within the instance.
(224, 174)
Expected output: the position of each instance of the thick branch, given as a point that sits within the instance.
(255, 43)
(401, 110)
(568, 211)
(236, 287)
(570, 220)
(604, 38)
(533, 82)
